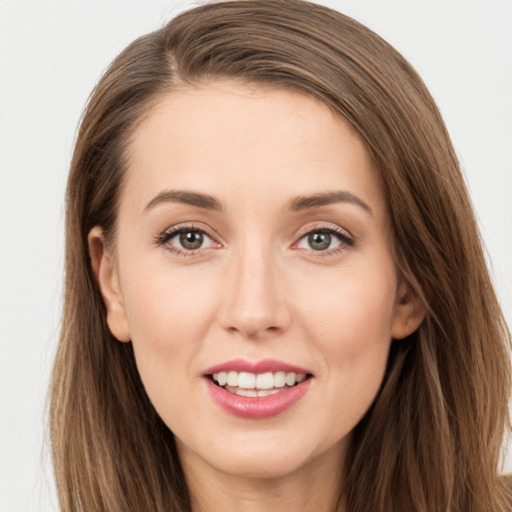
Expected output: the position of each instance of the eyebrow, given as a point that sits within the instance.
(299, 203)
(327, 198)
(185, 197)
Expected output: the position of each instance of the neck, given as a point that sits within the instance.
(315, 487)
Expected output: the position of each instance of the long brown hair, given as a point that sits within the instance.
(431, 441)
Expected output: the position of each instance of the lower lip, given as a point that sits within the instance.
(257, 407)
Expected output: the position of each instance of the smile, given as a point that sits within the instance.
(257, 384)
(257, 390)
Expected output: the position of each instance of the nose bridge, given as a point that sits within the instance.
(255, 304)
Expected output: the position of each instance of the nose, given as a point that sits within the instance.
(254, 302)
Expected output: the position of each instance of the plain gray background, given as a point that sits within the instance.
(51, 55)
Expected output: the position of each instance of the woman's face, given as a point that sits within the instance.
(253, 245)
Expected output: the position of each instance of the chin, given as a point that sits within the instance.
(269, 456)
(277, 463)
(260, 466)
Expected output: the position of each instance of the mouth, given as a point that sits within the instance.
(255, 385)
(257, 390)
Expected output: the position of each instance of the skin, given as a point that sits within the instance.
(256, 288)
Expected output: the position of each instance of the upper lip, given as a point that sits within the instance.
(262, 366)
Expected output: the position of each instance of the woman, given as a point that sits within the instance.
(276, 295)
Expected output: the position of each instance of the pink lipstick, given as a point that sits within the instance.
(257, 390)
(265, 365)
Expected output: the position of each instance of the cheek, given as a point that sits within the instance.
(168, 316)
(353, 310)
(350, 322)
(162, 299)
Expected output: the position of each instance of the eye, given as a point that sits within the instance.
(185, 240)
(324, 240)
(189, 240)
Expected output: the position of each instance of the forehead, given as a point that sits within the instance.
(260, 142)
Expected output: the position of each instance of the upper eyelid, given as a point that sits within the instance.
(333, 228)
(165, 236)
(179, 228)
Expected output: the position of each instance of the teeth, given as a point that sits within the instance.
(267, 392)
(247, 380)
(265, 380)
(290, 379)
(252, 392)
(279, 379)
(262, 381)
(232, 378)
(246, 392)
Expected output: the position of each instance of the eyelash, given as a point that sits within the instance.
(346, 241)
(162, 240)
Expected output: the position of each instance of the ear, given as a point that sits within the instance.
(409, 312)
(107, 277)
